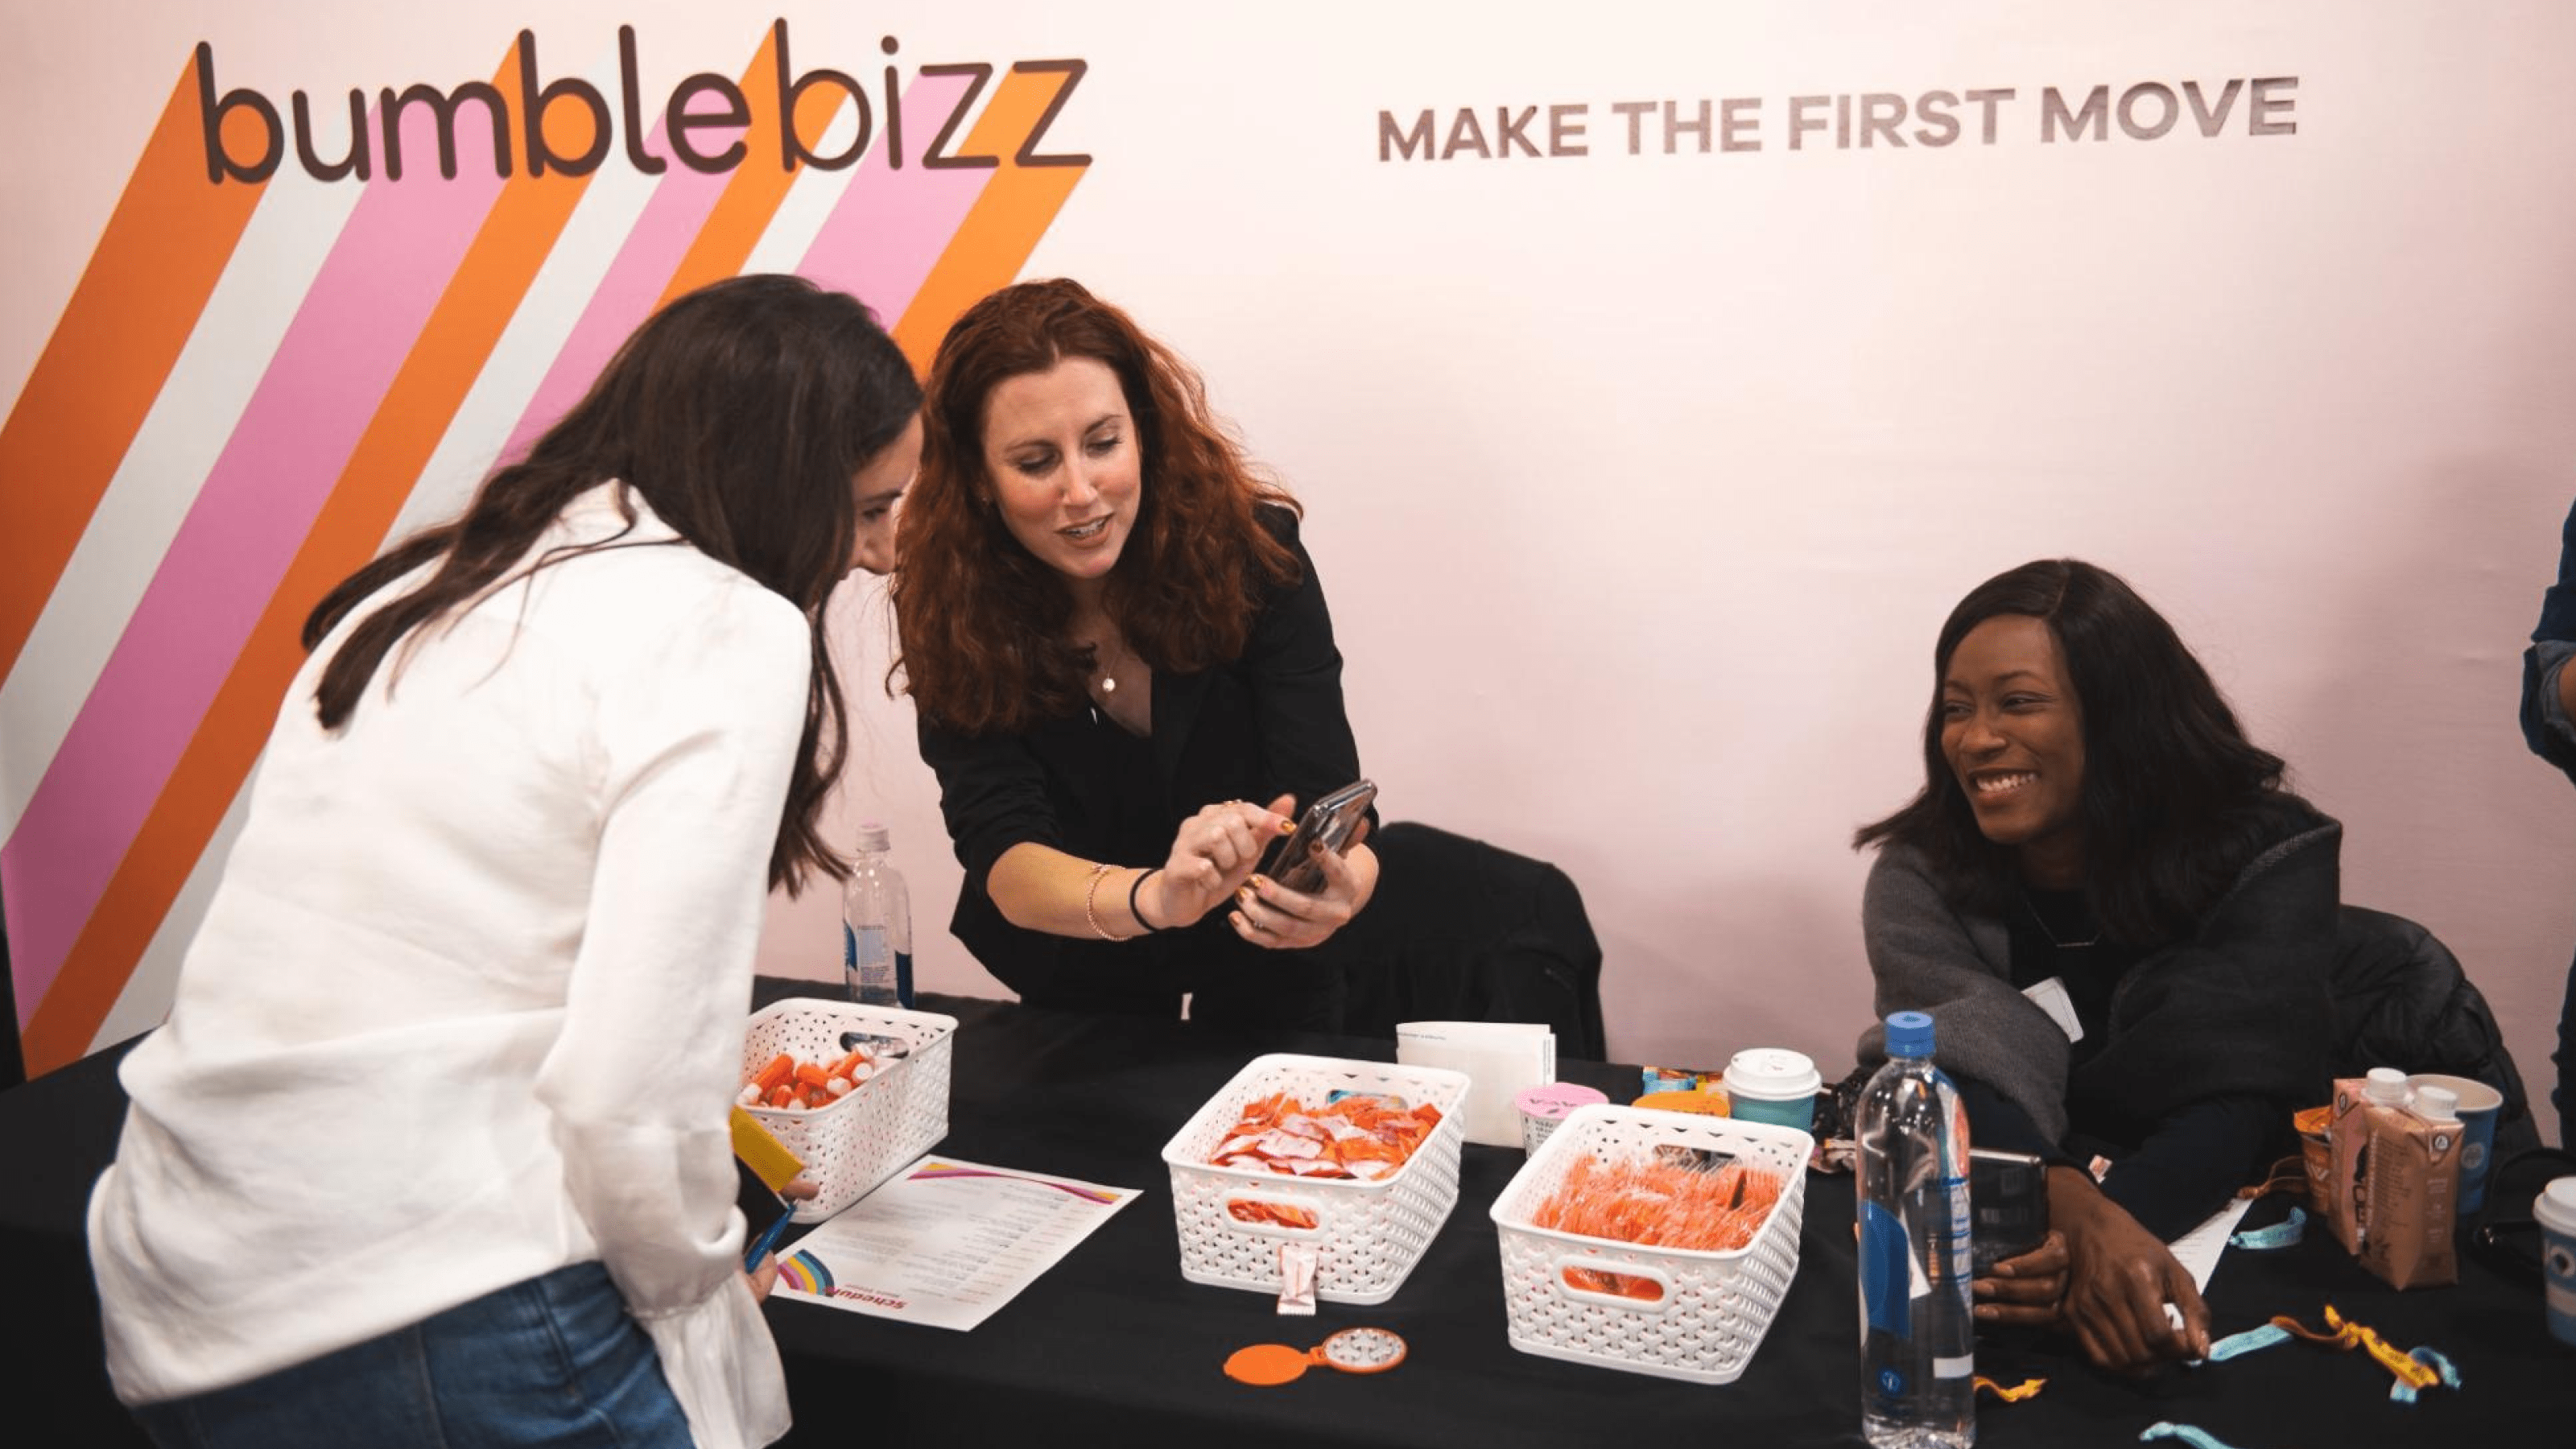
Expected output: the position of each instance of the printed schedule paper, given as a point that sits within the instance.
(2198, 1249)
(945, 1242)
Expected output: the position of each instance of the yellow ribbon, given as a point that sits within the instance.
(2014, 1395)
(2347, 1335)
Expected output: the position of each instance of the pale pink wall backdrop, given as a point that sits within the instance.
(1640, 483)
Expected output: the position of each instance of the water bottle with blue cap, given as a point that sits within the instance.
(1918, 1340)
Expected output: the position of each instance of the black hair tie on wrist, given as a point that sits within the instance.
(1133, 887)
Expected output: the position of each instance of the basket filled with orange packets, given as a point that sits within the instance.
(856, 1092)
(1356, 1161)
(1653, 1242)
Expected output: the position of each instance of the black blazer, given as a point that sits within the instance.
(1265, 724)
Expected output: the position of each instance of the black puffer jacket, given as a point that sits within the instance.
(2402, 1001)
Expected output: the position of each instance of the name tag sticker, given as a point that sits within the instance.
(2051, 997)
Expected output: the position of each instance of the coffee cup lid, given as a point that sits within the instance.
(1772, 1074)
(2555, 1208)
(1556, 1099)
(2473, 1096)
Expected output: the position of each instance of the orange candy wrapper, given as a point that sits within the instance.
(1658, 1204)
(787, 1084)
(1357, 1138)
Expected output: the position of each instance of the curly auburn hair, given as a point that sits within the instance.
(2175, 798)
(980, 624)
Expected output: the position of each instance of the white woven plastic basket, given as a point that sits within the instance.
(885, 1122)
(1715, 1307)
(1368, 1235)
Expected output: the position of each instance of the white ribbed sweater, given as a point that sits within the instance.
(468, 1003)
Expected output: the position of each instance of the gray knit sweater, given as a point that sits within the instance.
(2239, 1006)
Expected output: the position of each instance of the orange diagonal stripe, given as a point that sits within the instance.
(453, 346)
(166, 243)
(994, 241)
(756, 187)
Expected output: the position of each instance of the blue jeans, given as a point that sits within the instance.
(551, 1361)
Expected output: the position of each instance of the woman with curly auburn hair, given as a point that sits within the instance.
(1124, 671)
(2125, 928)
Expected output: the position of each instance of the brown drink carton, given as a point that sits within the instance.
(2347, 1152)
(2413, 1179)
(2316, 1156)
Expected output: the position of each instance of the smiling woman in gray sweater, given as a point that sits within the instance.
(2124, 926)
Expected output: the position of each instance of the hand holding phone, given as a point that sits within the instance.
(1310, 887)
(2021, 1263)
(1214, 853)
(1328, 824)
(2008, 1201)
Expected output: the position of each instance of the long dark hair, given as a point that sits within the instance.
(980, 621)
(739, 413)
(2175, 799)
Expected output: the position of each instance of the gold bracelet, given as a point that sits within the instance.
(1090, 897)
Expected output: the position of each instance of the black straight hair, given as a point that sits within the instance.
(739, 413)
(2175, 799)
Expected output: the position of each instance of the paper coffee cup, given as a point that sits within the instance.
(2479, 1104)
(2555, 1211)
(1541, 1108)
(1774, 1085)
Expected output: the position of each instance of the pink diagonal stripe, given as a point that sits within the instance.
(889, 227)
(357, 322)
(681, 203)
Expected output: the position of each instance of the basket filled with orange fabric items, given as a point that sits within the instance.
(1354, 1162)
(1653, 1242)
(855, 1091)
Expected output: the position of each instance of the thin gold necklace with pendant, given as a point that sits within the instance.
(2033, 907)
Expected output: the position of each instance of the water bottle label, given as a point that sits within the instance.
(1888, 1271)
(868, 958)
(1962, 1238)
(1964, 1366)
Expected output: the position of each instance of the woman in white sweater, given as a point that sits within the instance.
(432, 1149)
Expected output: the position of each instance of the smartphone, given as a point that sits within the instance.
(2008, 1196)
(1327, 825)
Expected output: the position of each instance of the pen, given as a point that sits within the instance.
(768, 1239)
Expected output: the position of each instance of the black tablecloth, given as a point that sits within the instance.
(1112, 1344)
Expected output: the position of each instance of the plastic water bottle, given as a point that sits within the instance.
(876, 926)
(1918, 1341)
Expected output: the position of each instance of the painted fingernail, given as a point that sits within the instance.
(1287, 826)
